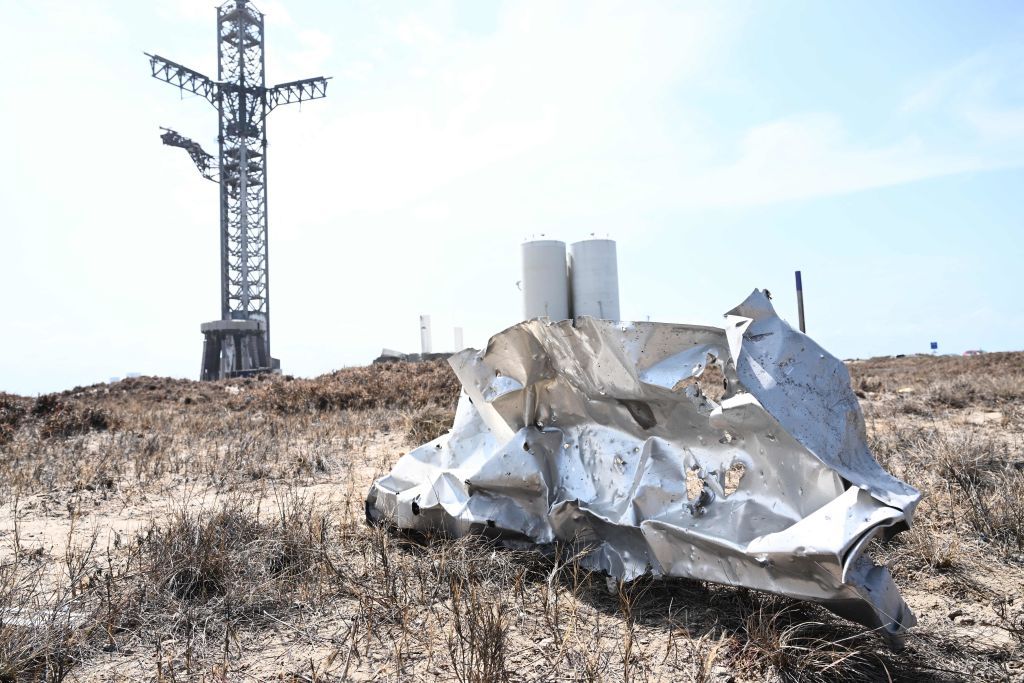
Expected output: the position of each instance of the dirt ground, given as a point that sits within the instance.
(170, 530)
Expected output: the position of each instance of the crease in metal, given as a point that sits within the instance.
(598, 433)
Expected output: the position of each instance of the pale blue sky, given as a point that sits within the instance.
(877, 146)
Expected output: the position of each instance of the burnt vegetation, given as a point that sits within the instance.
(174, 530)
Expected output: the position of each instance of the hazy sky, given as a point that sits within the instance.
(876, 146)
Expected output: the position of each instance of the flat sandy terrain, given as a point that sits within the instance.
(170, 530)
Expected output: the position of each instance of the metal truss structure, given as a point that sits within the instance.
(243, 102)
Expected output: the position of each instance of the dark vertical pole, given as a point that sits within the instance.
(243, 121)
(225, 278)
(800, 301)
(266, 218)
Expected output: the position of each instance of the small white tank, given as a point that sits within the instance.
(425, 342)
(545, 280)
(595, 279)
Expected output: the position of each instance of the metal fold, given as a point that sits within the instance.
(602, 434)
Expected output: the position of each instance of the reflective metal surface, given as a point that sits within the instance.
(600, 434)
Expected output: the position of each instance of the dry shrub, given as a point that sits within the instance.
(72, 421)
(1011, 618)
(958, 393)
(992, 379)
(427, 423)
(991, 489)
(214, 570)
(37, 638)
(60, 418)
(149, 391)
(913, 406)
(400, 385)
(414, 592)
(870, 384)
(48, 613)
(392, 385)
(781, 640)
(477, 641)
(973, 492)
(928, 546)
(13, 410)
(206, 442)
(54, 417)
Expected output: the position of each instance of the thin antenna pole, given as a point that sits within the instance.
(800, 301)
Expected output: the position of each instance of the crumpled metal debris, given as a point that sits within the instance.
(589, 431)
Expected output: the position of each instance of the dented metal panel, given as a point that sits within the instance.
(600, 433)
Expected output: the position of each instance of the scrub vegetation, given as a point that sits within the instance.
(172, 530)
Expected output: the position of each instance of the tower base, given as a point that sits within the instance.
(235, 348)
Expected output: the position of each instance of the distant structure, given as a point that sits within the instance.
(558, 284)
(426, 345)
(595, 279)
(545, 282)
(239, 343)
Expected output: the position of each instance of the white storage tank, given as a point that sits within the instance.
(426, 345)
(545, 280)
(595, 279)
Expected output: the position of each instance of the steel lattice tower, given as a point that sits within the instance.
(238, 343)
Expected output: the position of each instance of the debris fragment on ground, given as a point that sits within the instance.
(601, 434)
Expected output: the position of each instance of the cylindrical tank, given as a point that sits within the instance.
(595, 279)
(425, 342)
(545, 280)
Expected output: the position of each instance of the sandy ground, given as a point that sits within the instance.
(313, 644)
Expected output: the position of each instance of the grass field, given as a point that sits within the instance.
(170, 530)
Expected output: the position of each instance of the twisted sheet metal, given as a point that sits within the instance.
(589, 431)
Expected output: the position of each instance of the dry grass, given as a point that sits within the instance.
(171, 530)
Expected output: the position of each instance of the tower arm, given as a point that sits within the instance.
(183, 77)
(203, 159)
(297, 91)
